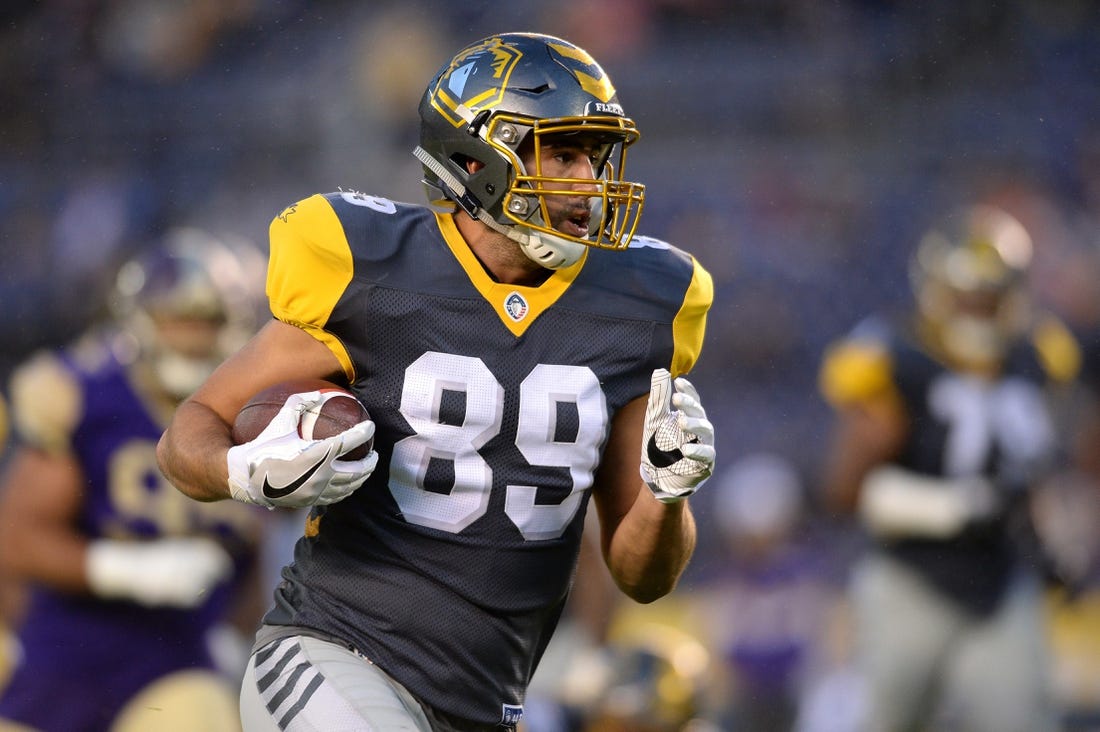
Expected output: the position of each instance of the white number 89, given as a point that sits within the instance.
(547, 386)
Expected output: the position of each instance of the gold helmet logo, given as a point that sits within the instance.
(589, 74)
(457, 87)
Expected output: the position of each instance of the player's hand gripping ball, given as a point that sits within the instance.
(301, 443)
(337, 411)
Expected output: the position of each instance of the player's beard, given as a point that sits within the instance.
(570, 215)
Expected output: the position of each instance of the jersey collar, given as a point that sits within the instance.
(517, 306)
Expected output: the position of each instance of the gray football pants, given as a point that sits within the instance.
(923, 657)
(302, 684)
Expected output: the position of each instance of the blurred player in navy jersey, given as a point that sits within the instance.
(945, 428)
(127, 577)
(520, 351)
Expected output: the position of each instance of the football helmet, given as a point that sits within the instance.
(523, 90)
(968, 274)
(655, 681)
(189, 277)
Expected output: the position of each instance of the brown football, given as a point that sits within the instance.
(339, 411)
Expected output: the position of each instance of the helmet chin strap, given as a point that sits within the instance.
(546, 250)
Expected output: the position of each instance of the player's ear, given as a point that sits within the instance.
(472, 165)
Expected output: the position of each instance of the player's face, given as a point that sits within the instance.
(188, 349)
(192, 337)
(978, 305)
(575, 158)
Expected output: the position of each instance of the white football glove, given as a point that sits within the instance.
(895, 502)
(677, 446)
(177, 572)
(281, 468)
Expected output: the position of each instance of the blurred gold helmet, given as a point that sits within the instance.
(655, 680)
(968, 275)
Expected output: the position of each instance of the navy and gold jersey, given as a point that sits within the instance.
(493, 404)
(960, 425)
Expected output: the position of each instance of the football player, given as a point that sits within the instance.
(519, 349)
(944, 426)
(127, 577)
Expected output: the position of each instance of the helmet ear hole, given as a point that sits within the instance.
(467, 163)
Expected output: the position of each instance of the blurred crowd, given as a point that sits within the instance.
(798, 148)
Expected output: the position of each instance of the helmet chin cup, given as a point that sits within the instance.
(180, 375)
(549, 251)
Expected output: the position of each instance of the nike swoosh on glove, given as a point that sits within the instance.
(281, 468)
(677, 439)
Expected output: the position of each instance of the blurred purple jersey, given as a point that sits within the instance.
(85, 657)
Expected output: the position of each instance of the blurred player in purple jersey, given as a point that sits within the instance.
(520, 351)
(127, 578)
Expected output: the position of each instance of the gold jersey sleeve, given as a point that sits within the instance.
(690, 324)
(309, 267)
(855, 372)
(1058, 349)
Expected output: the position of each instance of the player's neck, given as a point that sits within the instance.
(500, 256)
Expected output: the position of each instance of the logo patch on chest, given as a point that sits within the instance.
(516, 306)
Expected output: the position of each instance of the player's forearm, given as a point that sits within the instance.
(191, 453)
(651, 547)
(47, 555)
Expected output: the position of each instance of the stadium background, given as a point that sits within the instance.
(797, 147)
